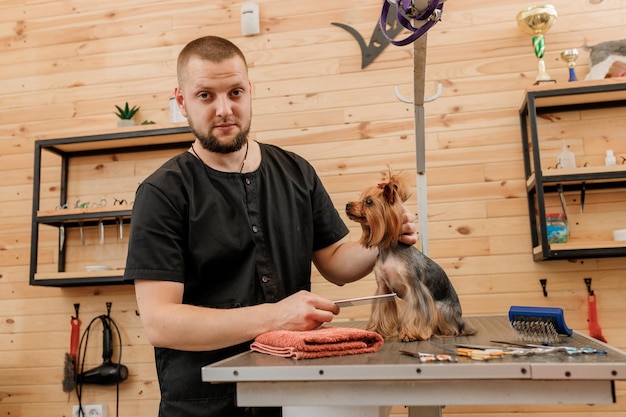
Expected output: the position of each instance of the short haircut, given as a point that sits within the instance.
(210, 48)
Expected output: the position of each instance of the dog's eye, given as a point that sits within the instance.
(368, 202)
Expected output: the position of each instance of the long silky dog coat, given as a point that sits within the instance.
(430, 305)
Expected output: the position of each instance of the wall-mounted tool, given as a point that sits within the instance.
(583, 190)
(120, 230)
(61, 237)
(71, 358)
(101, 231)
(108, 373)
(595, 330)
(82, 233)
(562, 198)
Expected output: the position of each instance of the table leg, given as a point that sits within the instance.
(422, 411)
(337, 411)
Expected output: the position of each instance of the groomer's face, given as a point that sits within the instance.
(217, 101)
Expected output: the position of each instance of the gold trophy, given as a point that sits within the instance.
(570, 56)
(536, 21)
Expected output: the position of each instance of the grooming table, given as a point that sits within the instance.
(367, 385)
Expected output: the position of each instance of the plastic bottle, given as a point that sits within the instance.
(566, 158)
(609, 159)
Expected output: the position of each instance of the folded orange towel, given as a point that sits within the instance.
(319, 343)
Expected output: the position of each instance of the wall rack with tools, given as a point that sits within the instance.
(54, 206)
(583, 116)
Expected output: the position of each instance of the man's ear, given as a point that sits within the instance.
(180, 100)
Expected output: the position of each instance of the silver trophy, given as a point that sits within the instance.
(570, 56)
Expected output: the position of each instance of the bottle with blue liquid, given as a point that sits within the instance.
(557, 228)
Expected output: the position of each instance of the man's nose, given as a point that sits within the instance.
(224, 106)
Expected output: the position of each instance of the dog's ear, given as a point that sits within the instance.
(399, 185)
(390, 190)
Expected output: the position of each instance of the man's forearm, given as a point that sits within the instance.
(345, 262)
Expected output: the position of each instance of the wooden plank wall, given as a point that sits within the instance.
(66, 63)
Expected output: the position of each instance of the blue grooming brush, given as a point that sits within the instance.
(543, 324)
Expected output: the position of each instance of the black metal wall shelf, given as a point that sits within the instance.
(542, 100)
(135, 140)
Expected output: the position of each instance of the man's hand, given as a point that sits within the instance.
(304, 311)
(409, 229)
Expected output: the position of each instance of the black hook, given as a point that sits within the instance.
(109, 304)
(544, 282)
(76, 307)
(588, 284)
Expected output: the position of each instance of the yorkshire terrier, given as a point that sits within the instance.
(430, 306)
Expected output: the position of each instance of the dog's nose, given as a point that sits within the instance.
(347, 206)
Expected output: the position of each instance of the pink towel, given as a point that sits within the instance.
(319, 343)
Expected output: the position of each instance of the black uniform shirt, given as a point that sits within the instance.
(234, 240)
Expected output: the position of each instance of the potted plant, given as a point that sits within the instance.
(126, 114)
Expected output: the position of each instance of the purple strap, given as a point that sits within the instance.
(406, 13)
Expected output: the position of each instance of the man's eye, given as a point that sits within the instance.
(203, 96)
(368, 201)
(237, 93)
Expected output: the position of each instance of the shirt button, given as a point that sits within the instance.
(265, 279)
(255, 229)
(248, 181)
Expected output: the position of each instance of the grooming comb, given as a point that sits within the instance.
(538, 324)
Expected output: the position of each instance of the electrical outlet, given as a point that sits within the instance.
(91, 410)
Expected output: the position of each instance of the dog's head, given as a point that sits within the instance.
(379, 211)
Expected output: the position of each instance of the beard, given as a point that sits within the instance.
(212, 144)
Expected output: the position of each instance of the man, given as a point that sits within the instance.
(223, 237)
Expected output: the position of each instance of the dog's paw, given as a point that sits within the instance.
(407, 339)
(407, 336)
